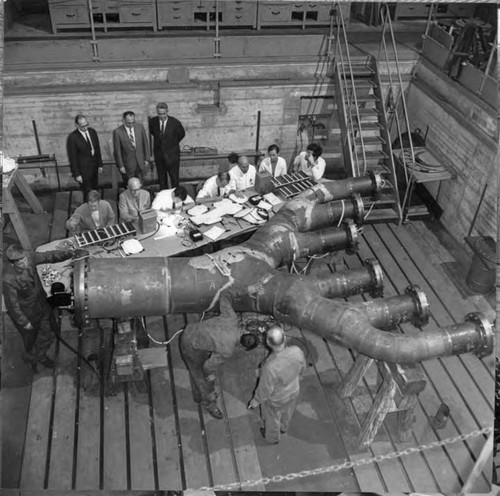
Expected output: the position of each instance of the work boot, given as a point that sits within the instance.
(214, 410)
(48, 362)
(263, 434)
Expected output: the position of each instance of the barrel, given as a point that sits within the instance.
(482, 272)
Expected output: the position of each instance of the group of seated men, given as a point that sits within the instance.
(239, 176)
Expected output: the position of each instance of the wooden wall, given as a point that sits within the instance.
(463, 134)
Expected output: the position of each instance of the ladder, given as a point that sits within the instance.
(365, 130)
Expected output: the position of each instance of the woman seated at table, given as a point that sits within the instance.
(171, 199)
(215, 187)
(93, 214)
(310, 162)
(273, 163)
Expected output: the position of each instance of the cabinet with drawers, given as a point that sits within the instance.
(239, 13)
(69, 14)
(303, 14)
(421, 10)
(73, 14)
(187, 13)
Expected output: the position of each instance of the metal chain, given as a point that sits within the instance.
(347, 464)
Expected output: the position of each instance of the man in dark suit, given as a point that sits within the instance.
(84, 154)
(167, 133)
(131, 148)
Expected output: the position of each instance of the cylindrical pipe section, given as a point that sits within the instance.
(329, 214)
(112, 288)
(350, 282)
(323, 241)
(343, 188)
(389, 312)
(349, 325)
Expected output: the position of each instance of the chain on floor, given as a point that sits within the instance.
(347, 464)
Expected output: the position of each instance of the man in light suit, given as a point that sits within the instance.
(133, 200)
(131, 148)
(84, 154)
(167, 133)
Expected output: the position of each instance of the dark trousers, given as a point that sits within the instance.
(128, 174)
(276, 416)
(194, 359)
(38, 341)
(89, 182)
(167, 166)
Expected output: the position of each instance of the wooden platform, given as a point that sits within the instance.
(63, 432)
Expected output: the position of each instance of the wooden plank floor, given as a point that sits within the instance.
(78, 436)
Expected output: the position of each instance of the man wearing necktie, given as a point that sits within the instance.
(167, 133)
(84, 154)
(131, 148)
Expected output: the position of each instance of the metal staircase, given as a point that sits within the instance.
(362, 108)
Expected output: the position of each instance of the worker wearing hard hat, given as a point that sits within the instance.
(278, 387)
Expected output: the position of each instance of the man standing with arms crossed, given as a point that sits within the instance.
(167, 133)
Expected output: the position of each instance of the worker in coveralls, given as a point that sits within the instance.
(26, 301)
(278, 387)
(204, 346)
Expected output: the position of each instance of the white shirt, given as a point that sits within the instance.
(211, 190)
(266, 166)
(96, 218)
(315, 170)
(240, 181)
(164, 200)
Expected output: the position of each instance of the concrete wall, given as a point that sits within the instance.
(463, 135)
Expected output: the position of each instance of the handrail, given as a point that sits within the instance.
(394, 117)
(352, 148)
(387, 20)
(488, 65)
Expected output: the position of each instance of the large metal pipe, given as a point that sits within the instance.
(371, 184)
(349, 325)
(349, 282)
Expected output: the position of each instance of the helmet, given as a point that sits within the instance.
(275, 336)
(249, 341)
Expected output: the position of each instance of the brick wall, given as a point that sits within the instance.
(469, 152)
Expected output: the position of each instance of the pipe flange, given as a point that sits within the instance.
(80, 293)
(485, 331)
(421, 317)
(352, 238)
(377, 277)
(376, 184)
(359, 208)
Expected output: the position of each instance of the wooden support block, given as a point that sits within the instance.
(381, 407)
(355, 375)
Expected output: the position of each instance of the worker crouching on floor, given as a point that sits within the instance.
(204, 346)
(26, 301)
(278, 387)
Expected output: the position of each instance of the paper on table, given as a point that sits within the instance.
(272, 198)
(265, 205)
(214, 232)
(237, 199)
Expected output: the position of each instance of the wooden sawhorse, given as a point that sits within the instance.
(398, 392)
(16, 178)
